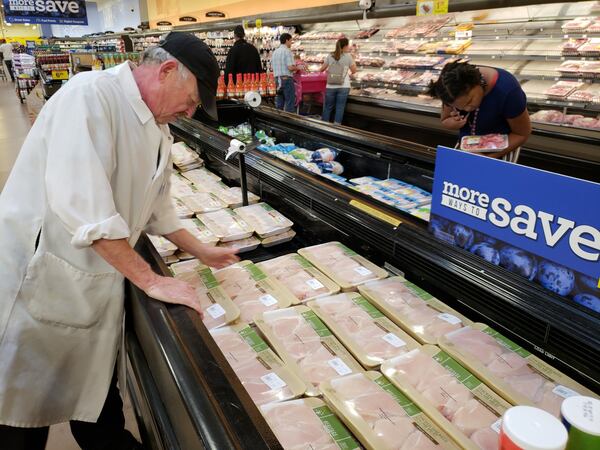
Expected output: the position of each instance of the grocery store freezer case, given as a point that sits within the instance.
(184, 390)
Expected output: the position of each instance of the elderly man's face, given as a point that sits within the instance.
(177, 96)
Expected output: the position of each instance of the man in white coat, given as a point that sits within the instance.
(92, 175)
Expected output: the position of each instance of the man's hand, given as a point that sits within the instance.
(172, 290)
(218, 257)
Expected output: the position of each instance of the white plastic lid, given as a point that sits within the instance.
(534, 429)
(583, 413)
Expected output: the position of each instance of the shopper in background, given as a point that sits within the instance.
(338, 65)
(479, 100)
(7, 53)
(243, 57)
(93, 174)
(283, 68)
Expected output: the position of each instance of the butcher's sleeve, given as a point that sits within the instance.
(164, 219)
(81, 159)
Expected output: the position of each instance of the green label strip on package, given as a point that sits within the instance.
(336, 429)
(424, 295)
(507, 342)
(458, 371)
(255, 272)
(253, 340)
(406, 404)
(208, 278)
(316, 324)
(368, 307)
(304, 263)
(347, 251)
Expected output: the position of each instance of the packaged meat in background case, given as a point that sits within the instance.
(201, 176)
(306, 346)
(259, 369)
(278, 239)
(163, 246)
(413, 309)
(344, 266)
(485, 143)
(226, 225)
(202, 202)
(307, 423)
(362, 328)
(199, 231)
(216, 305)
(181, 186)
(300, 276)
(381, 416)
(265, 220)
(252, 290)
(515, 374)
(182, 211)
(242, 245)
(184, 157)
(450, 395)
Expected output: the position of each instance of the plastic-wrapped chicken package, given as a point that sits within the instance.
(201, 176)
(265, 220)
(259, 369)
(362, 328)
(180, 186)
(344, 266)
(231, 196)
(202, 202)
(216, 305)
(415, 310)
(277, 239)
(184, 157)
(226, 225)
(301, 277)
(381, 417)
(450, 395)
(307, 423)
(199, 231)
(163, 246)
(242, 245)
(252, 290)
(182, 211)
(517, 375)
(306, 346)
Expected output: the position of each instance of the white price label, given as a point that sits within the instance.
(452, 320)
(268, 300)
(315, 284)
(393, 340)
(496, 426)
(363, 271)
(339, 366)
(564, 391)
(215, 311)
(273, 381)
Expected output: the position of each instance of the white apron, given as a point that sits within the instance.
(87, 170)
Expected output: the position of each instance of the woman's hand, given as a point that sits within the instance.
(454, 121)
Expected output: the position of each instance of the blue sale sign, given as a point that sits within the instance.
(70, 12)
(554, 217)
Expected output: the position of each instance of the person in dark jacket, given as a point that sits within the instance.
(243, 56)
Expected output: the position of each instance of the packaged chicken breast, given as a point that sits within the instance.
(216, 305)
(461, 404)
(226, 225)
(201, 176)
(278, 239)
(486, 143)
(362, 328)
(242, 245)
(306, 346)
(264, 219)
(182, 211)
(302, 278)
(199, 231)
(252, 290)
(202, 202)
(163, 246)
(231, 196)
(259, 369)
(180, 186)
(184, 157)
(381, 416)
(415, 310)
(344, 266)
(517, 375)
(307, 423)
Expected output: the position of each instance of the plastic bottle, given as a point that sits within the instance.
(221, 88)
(230, 92)
(239, 85)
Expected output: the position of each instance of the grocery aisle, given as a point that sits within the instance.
(14, 126)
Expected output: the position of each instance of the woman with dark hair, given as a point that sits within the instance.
(479, 100)
(337, 65)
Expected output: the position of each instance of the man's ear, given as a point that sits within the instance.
(167, 68)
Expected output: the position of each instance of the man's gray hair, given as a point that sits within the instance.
(158, 55)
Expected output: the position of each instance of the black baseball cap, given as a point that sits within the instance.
(194, 54)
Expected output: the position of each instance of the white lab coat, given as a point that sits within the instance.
(87, 170)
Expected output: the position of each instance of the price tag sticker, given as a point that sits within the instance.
(339, 366)
(215, 311)
(268, 300)
(273, 381)
(393, 340)
(564, 391)
(363, 271)
(60, 74)
(496, 426)
(315, 284)
(452, 320)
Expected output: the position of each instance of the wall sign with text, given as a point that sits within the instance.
(69, 12)
(541, 225)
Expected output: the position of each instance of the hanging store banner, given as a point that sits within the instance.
(68, 12)
(542, 225)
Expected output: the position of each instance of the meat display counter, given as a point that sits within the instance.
(184, 391)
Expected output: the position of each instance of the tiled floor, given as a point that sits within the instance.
(14, 126)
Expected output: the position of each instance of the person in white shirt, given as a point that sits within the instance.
(338, 65)
(92, 175)
(7, 54)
